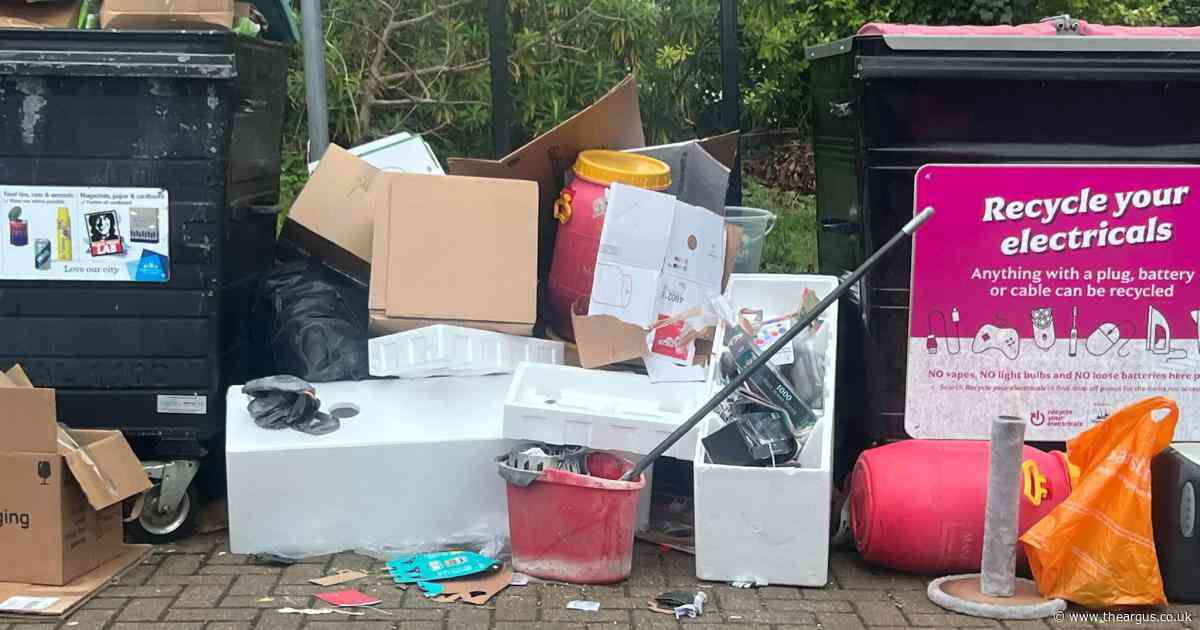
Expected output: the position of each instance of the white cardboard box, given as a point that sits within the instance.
(415, 466)
(769, 525)
(618, 411)
(444, 350)
(402, 152)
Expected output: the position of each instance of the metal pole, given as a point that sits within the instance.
(314, 78)
(498, 55)
(786, 338)
(731, 93)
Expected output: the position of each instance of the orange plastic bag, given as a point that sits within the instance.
(1097, 547)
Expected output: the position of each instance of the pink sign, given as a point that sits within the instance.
(1055, 293)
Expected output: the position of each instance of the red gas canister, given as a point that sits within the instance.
(918, 506)
(580, 210)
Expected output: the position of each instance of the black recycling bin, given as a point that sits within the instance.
(91, 120)
(884, 105)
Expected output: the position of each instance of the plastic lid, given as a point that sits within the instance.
(609, 167)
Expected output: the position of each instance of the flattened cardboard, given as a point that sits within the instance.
(73, 595)
(603, 339)
(461, 248)
(612, 122)
(39, 14)
(380, 324)
(158, 14)
(477, 590)
(697, 178)
(333, 217)
(339, 577)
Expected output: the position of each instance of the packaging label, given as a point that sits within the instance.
(1056, 293)
(26, 604)
(84, 233)
(195, 405)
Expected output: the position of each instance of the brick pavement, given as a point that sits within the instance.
(198, 585)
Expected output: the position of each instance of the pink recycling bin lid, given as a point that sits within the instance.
(1055, 34)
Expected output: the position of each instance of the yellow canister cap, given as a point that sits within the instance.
(608, 167)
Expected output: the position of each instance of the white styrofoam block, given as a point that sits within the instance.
(414, 467)
(599, 409)
(769, 524)
(444, 350)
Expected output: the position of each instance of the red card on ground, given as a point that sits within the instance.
(348, 597)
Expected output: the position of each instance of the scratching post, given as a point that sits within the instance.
(996, 593)
(1003, 507)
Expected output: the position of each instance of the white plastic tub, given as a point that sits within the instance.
(769, 525)
(444, 350)
(600, 409)
(414, 467)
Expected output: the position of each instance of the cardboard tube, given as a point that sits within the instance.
(999, 564)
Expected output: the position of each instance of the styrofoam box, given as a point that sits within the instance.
(599, 409)
(444, 350)
(769, 525)
(415, 466)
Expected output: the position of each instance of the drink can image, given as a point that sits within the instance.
(41, 254)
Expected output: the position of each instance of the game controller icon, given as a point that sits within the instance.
(990, 337)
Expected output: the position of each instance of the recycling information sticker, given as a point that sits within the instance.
(84, 233)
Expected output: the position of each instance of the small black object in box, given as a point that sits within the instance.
(1176, 482)
(754, 438)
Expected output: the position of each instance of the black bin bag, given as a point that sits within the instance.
(313, 324)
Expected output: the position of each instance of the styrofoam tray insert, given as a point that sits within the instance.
(444, 350)
(599, 409)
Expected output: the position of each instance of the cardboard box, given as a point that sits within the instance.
(167, 14)
(434, 248)
(402, 152)
(60, 506)
(39, 14)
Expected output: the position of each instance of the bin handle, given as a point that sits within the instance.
(261, 209)
(840, 226)
(770, 224)
(1035, 483)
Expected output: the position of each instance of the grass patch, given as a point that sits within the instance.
(792, 246)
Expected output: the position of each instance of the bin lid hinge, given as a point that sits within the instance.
(1064, 24)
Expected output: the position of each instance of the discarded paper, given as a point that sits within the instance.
(584, 605)
(339, 577)
(317, 611)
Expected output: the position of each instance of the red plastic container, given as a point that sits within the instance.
(918, 506)
(576, 528)
(580, 209)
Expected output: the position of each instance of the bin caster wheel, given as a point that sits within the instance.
(156, 527)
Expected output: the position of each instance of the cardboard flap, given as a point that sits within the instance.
(105, 467)
(604, 339)
(613, 122)
(462, 248)
(334, 204)
(723, 147)
(29, 424)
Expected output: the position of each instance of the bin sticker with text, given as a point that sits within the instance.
(84, 233)
(1056, 293)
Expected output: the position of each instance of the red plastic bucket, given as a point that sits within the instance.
(576, 528)
(918, 506)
